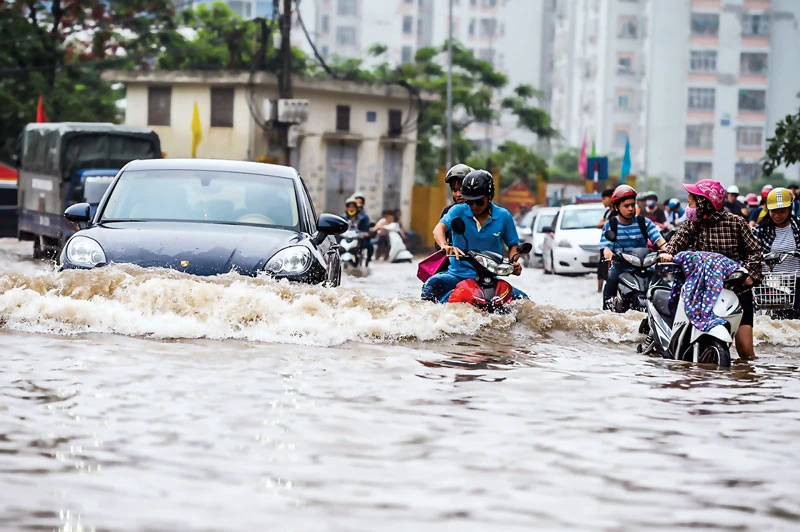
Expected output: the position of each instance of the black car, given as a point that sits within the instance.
(208, 217)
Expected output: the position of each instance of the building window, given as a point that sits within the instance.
(159, 105)
(751, 100)
(347, 7)
(264, 9)
(489, 3)
(488, 27)
(755, 25)
(700, 135)
(703, 60)
(346, 36)
(408, 24)
(408, 54)
(473, 3)
(746, 173)
(620, 137)
(486, 54)
(624, 63)
(237, 7)
(342, 118)
(472, 27)
(749, 137)
(705, 24)
(623, 102)
(325, 24)
(626, 27)
(372, 116)
(395, 122)
(221, 107)
(694, 172)
(702, 99)
(753, 64)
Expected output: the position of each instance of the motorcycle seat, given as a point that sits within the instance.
(661, 302)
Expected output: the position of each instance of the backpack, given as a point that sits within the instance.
(613, 223)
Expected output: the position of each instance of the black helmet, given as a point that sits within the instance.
(477, 184)
(458, 171)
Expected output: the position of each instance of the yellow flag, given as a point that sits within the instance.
(197, 130)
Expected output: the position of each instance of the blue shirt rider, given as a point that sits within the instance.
(488, 227)
(355, 218)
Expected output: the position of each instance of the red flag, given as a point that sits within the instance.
(582, 162)
(40, 114)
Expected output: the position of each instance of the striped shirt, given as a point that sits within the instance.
(629, 236)
(784, 241)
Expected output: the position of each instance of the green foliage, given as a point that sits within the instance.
(776, 179)
(784, 147)
(565, 167)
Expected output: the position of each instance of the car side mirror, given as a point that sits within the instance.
(78, 213)
(458, 226)
(610, 235)
(548, 230)
(327, 225)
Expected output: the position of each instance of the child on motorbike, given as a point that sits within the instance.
(780, 232)
(629, 235)
(488, 227)
(356, 219)
(710, 228)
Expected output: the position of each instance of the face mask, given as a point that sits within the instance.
(691, 214)
(352, 211)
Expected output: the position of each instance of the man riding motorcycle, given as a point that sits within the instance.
(357, 220)
(630, 236)
(710, 228)
(488, 227)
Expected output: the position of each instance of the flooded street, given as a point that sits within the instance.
(151, 400)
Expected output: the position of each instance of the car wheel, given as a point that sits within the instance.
(334, 270)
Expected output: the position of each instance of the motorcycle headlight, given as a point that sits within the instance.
(294, 259)
(487, 263)
(85, 251)
(504, 269)
(565, 244)
(650, 260)
(633, 259)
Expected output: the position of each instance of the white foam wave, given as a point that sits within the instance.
(167, 304)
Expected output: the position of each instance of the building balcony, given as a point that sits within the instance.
(704, 40)
(755, 41)
(695, 152)
(706, 4)
(703, 77)
(749, 154)
(751, 117)
(758, 5)
(700, 115)
(753, 79)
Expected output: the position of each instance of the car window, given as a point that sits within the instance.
(527, 220)
(544, 220)
(581, 218)
(203, 196)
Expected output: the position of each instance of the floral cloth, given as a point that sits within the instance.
(703, 275)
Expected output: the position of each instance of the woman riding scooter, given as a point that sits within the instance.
(780, 233)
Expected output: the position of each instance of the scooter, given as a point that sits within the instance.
(675, 337)
(634, 283)
(353, 251)
(397, 248)
(486, 291)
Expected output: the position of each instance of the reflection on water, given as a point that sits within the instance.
(150, 400)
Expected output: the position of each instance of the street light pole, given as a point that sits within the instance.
(449, 159)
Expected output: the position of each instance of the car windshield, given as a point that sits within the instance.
(581, 218)
(203, 196)
(545, 220)
(527, 220)
(95, 187)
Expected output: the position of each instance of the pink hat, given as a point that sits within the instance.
(712, 190)
(752, 199)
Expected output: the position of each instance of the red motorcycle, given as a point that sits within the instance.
(486, 291)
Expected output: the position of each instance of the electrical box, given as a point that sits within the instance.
(292, 111)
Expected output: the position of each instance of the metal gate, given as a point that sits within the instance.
(392, 176)
(340, 175)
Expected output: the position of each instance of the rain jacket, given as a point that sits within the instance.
(703, 275)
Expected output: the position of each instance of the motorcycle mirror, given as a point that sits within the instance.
(610, 235)
(458, 226)
(524, 248)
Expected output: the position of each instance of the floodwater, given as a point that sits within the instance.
(151, 400)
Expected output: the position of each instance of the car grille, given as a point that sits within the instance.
(591, 247)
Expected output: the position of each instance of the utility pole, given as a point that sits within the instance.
(449, 84)
(286, 76)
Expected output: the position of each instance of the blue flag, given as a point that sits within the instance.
(626, 161)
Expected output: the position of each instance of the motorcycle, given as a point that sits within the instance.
(486, 291)
(397, 248)
(778, 291)
(353, 251)
(676, 338)
(635, 282)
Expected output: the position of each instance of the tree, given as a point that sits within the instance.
(784, 147)
(565, 166)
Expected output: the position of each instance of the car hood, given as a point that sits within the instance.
(196, 248)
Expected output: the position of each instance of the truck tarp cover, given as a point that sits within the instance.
(64, 148)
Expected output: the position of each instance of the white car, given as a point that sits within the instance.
(573, 245)
(544, 218)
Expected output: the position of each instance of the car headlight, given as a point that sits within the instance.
(565, 244)
(85, 251)
(294, 259)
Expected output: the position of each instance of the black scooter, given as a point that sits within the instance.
(635, 282)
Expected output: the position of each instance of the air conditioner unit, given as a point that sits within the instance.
(288, 111)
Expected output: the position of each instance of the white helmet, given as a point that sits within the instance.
(741, 199)
(733, 189)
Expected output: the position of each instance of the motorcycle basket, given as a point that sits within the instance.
(777, 291)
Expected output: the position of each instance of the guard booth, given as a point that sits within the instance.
(60, 164)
